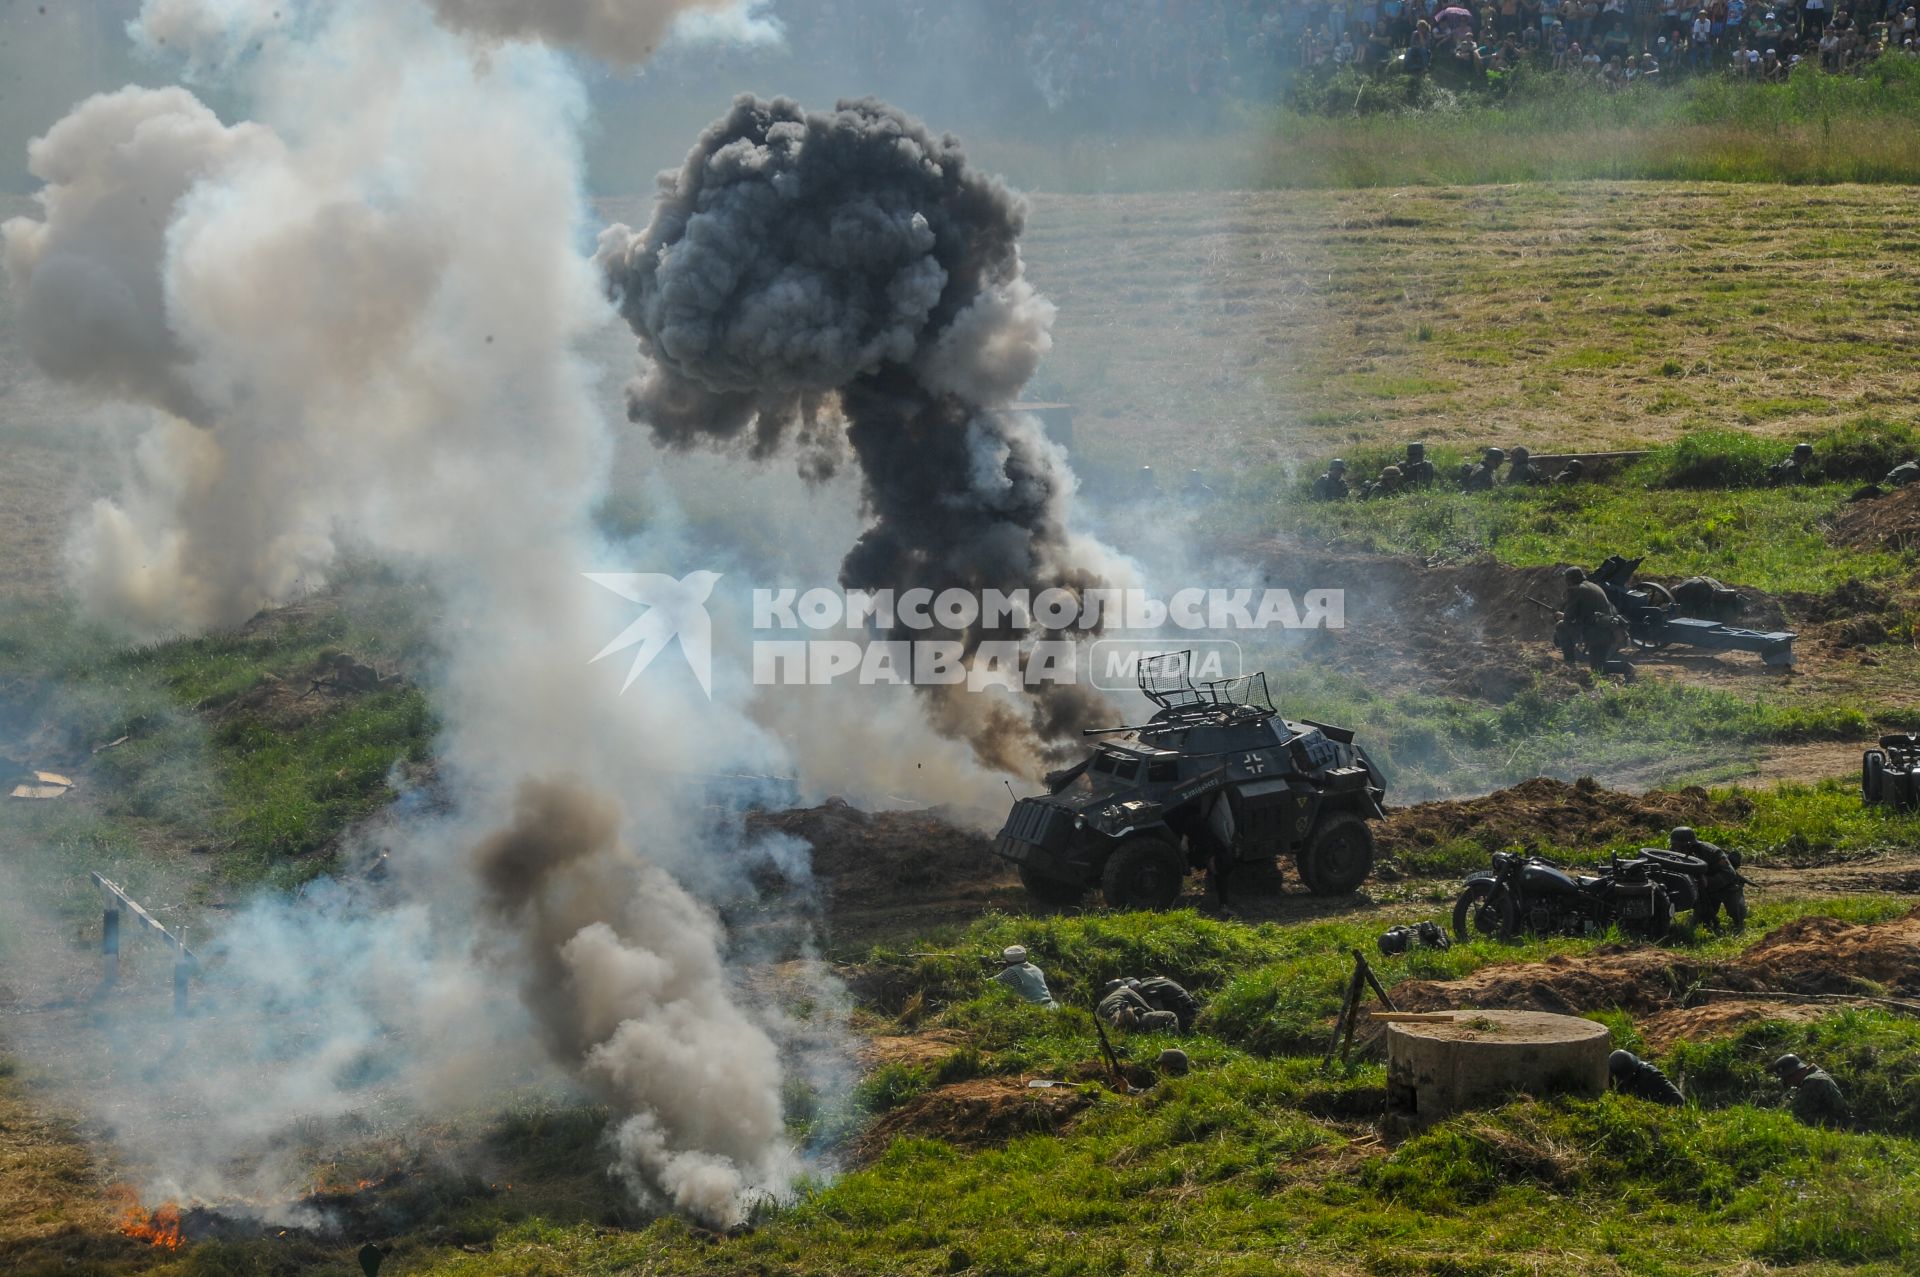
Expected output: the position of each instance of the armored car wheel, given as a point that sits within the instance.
(1873, 776)
(1339, 856)
(1143, 873)
(1049, 890)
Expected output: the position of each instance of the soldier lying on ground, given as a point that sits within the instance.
(1815, 1097)
(1156, 1004)
(1703, 596)
(1024, 978)
(1635, 1076)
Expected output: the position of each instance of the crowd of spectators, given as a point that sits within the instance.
(1106, 49)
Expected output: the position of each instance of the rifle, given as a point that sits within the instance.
(1113, 1061)
(1543, 603)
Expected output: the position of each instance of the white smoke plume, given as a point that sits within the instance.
(354, 321)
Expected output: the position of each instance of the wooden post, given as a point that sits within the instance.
(110, 946)
(1349, 1010)
(1374, 980)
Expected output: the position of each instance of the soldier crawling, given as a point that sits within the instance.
(1815, 1098)
(1153, 1005)
(1635, 1076)
(1332, 486)
(1587, 621)
(1723, 887)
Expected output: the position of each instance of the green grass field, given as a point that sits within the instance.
(1254, 336)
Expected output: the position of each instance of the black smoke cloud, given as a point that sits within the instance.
(850, 266)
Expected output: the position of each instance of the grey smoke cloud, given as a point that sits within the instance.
(86, 272)
(624, 32)
(852, 264)
(621, 969)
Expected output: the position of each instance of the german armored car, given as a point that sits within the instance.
(1217, 772)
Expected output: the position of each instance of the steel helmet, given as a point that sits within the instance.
(1620, 1061)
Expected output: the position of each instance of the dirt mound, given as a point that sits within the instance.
(1544, 811)
(1891, 522)
(866, 859)
(1721, 1019)
(1637, 980)
(913, 1050)
(1807, 955)
(1826, 955)
(975, 1114)
(1463, 629)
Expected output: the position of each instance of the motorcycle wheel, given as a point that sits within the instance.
(1873, 774)
(1484, 909)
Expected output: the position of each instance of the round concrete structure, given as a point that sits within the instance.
(1435, 1067)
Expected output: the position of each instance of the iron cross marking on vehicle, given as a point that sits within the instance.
(1254, 763)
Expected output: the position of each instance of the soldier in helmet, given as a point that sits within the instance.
(1024, 978)
(1521, 471)
(1416, 469)
(1815, 1098)
(1723, 887)
(1482, 477)
(1173, 1062)
(1571, 473)
(1389, 484)
(1793, 468)
(1635, 1076)
(1587, 621)
(1332, 486)
(1124, 1006)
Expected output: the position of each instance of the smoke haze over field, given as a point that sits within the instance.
(352, 321)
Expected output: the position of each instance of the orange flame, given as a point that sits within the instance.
(159, 1226)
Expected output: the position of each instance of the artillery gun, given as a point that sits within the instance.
(1216, 772)
(1655, 618)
